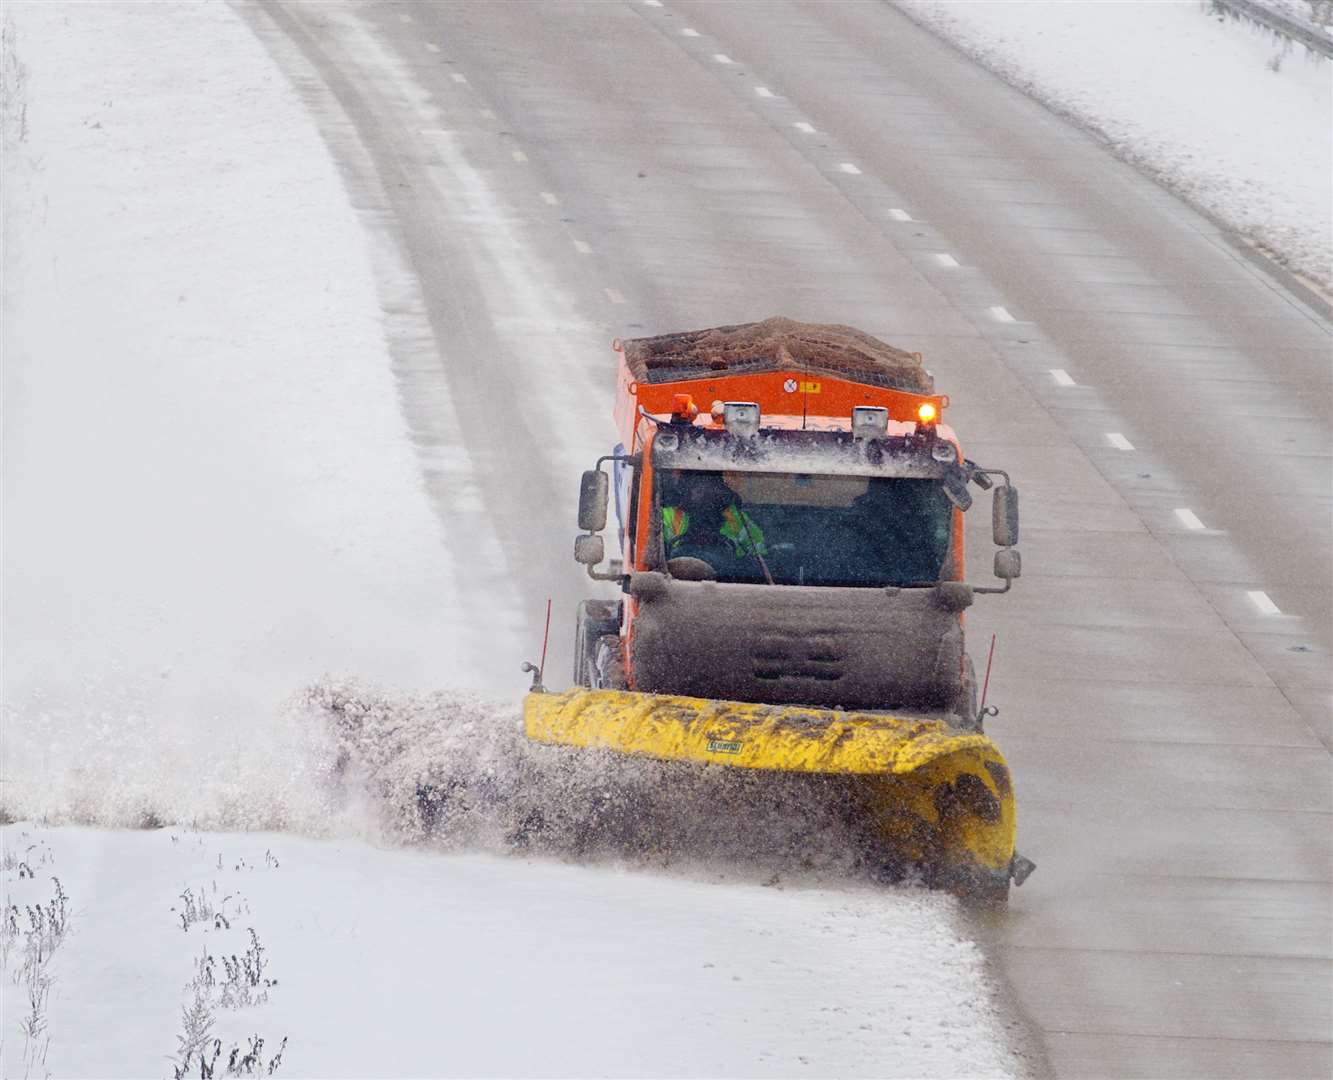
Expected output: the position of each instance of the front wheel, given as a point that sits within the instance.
(595, 619)
(608, 671)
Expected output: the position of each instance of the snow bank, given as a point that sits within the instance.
(1235, 120)
(209, 495)
(395, 963)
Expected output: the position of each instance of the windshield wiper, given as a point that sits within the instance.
(754, 547)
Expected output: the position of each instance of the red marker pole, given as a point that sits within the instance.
(546, 637)
(990, 657)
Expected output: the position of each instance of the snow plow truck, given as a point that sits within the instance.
(789, 520)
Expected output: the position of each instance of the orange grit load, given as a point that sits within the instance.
(789, 520)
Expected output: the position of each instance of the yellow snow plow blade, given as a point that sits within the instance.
(939, 798)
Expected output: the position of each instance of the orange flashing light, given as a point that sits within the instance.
(926, 412)
(683, 408)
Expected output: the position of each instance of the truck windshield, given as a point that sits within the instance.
(810, 529)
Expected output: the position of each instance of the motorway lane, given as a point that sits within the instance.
(1169, 739)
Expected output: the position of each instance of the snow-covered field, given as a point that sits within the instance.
(211, 500)
(406, 963)
(209, 496)
(1234, 119)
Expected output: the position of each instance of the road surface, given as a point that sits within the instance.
(557, 175)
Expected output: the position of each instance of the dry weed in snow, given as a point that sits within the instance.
(31, 930)
(238, 981)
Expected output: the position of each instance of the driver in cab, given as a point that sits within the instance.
(702, 516)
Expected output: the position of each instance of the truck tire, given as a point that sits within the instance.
(609, 664)
(595, 619)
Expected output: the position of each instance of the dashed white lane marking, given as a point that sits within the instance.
(1001, 314)
(1119, 441)
(801, 125)
(458, 76)
(900, 215)
(405, 18)
(1060, 375)
(583, 247)
(549, 198)
(652, 3)
(1263, 602)
(763, 91)
(614, 296)
(1188, 518)
(723, 58)
(687, 32)
(518, 155)
(432, 46)
(946, 260)
(487, 114)
(848, 167)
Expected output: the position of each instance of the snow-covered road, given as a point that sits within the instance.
(285, 398)
(233, 464)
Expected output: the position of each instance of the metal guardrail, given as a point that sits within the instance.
(1310, 34)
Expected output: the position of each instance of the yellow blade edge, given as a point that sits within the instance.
(937, 796)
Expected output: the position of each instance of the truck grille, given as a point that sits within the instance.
(781, 655)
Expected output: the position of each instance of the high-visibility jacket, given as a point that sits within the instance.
(738, 528)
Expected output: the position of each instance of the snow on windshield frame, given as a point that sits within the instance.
(833, 453)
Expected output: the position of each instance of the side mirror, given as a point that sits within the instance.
(955, 487)
(1008, 564)
(589, 549)
(593, 493)
(1004, 516)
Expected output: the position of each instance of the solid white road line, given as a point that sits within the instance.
(458, 76)
(801, 125)
(946, 260)
(899, 215)
(763, 91)
(1261, 600)
(1061, 377)
(549, 198)
(1188, 518)
(1119, 441)
(848, 167)
(583, 247)
(432, 46)
(614, 296)
(1001, 314)
(518, 155)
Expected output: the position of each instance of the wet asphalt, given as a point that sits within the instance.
(1162, 396)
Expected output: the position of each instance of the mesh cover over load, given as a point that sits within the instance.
(777, 344)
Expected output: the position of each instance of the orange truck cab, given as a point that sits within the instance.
(788, 506)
